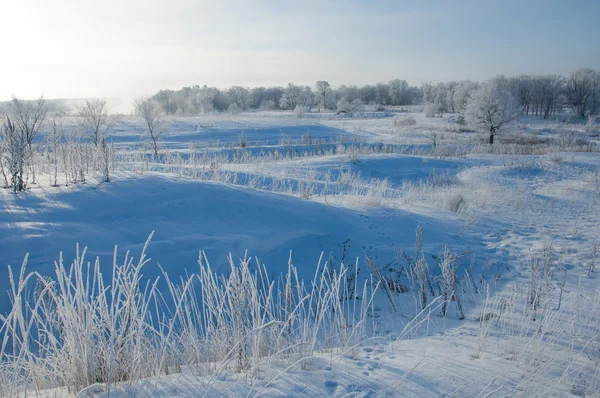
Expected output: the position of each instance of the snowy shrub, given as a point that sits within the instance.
(433, 137)
(568, 139)
(267, 105)
(455, 203)
(432, 110)
(447, 263)
(388, 285)
(234, 108)
(344, 105)
(308, 137)
(408, 121)
(591, 127)
(299, 111)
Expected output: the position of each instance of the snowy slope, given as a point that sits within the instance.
(189, 216)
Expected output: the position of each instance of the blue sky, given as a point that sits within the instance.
(72, 48)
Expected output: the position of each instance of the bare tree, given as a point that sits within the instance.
(582, 86)
(549, 91)
(323, 92)
(429, 92)
(290, 97)
(23, 122)
(296, 95)
(95, 120)
(239, 95)
(15, 155)
(3, 154)
(522, 87)
(398, 90)
(462, 93)
(53, 139)
(490, 108)
(27, 117)
(150, 111)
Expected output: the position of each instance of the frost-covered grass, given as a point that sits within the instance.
(84, 331)
(82, 327)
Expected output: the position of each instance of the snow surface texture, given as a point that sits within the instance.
(523, 210)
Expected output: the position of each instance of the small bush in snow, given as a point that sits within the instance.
(568, 139)
(432, 110)
(299, 111)
(267, 105)
(591, 127)
(344, 105)
(455, 203)
(234, 108)
(407, 121)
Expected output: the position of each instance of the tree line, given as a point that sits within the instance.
(543, 95)
(198, 100)
(535, 95)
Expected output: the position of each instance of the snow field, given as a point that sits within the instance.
(508, 241)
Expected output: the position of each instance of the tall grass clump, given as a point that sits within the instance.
(81, 327)
(549, 331)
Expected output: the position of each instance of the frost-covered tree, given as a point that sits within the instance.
(205, 101)
(449, 93)
(382, 94)
(548, 92)
(462, 94)
(429, 93)
(266, 98)
(94, 119)
(349, 107)
(21, 124)
(367, 94)
(234, 108)
(150, 111)
(581, 88)
(522, 88)
(239, 95)
(53, 141)
(296, 95)
(290, 97)
(437, 98)
(398, 92)
(441, 97)
(491, 107)
(3, 155)
(24, 120)
(15, 155)
(307, 97)
(299, 111)
(323, 92)
(165, 99)
(27, 116)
